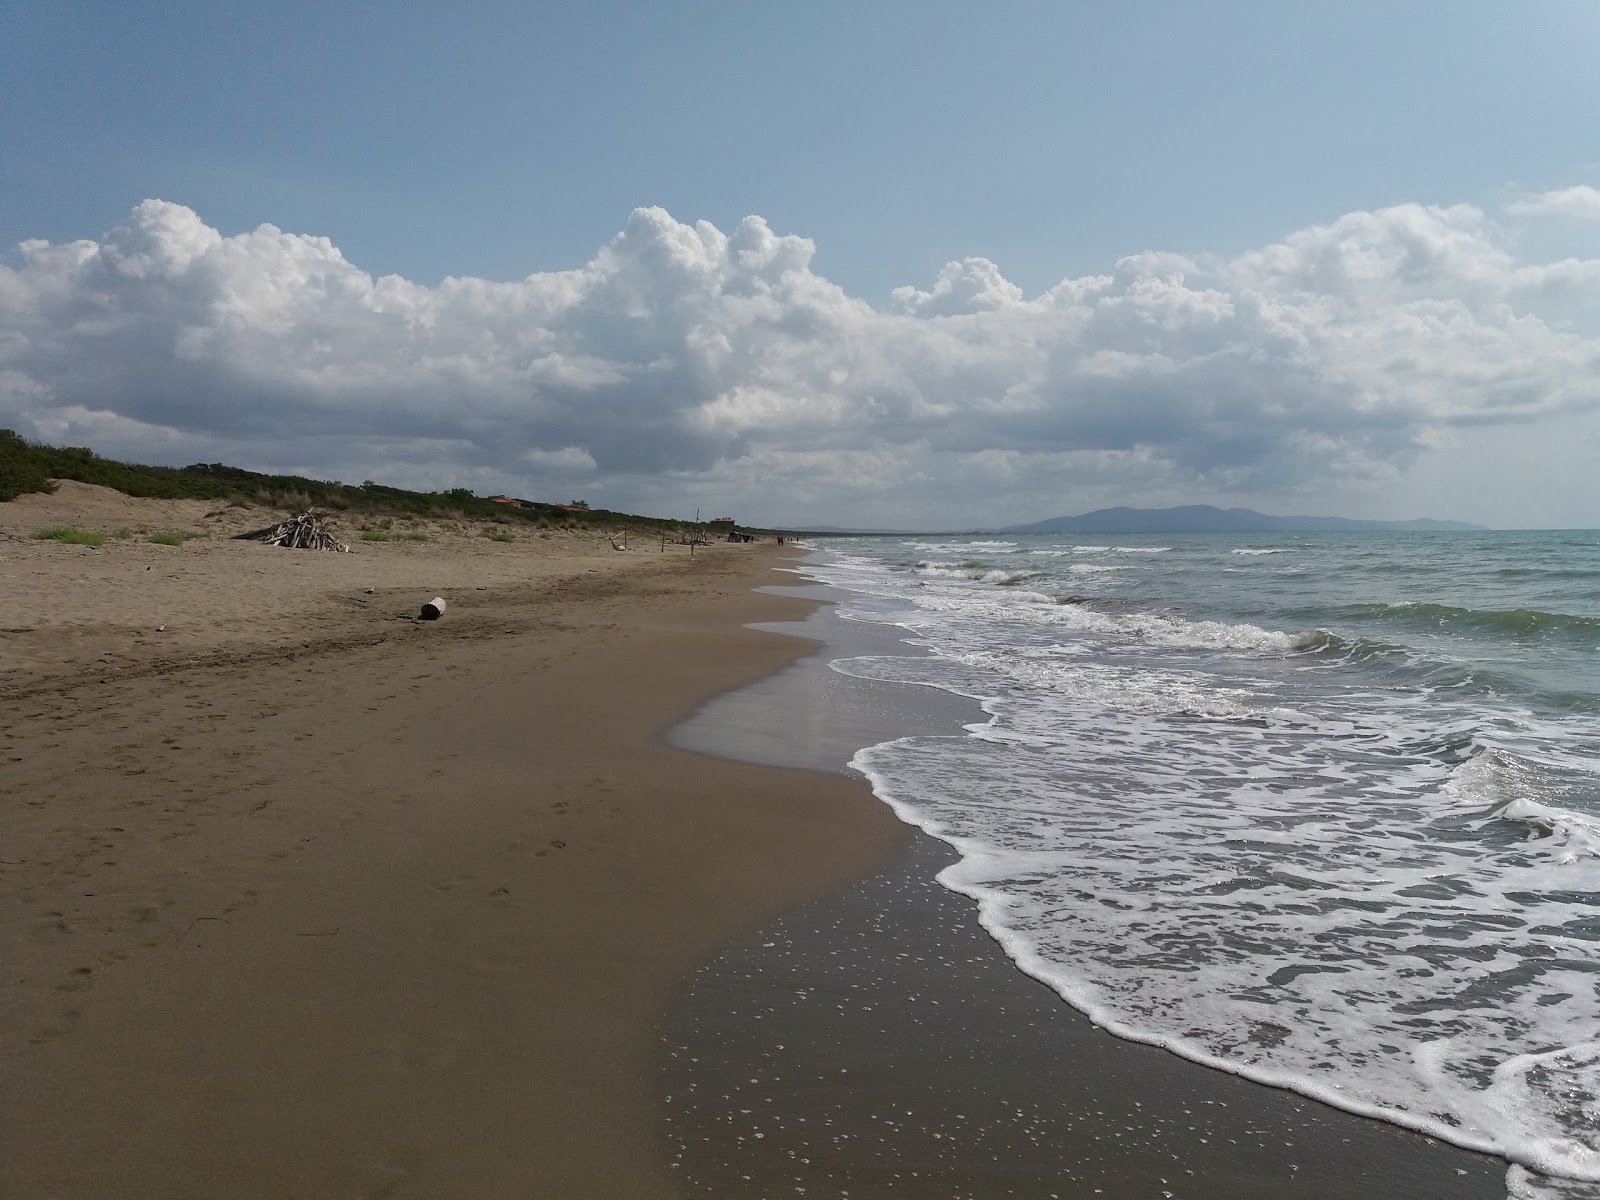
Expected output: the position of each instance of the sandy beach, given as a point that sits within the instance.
(304, 898)
(300, 896)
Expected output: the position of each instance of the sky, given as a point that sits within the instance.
(916, 265)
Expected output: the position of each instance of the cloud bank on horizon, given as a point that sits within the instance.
(684, 363)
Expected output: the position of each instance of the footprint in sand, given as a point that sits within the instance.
(76, 981)
(62, 1026)
(52, 930)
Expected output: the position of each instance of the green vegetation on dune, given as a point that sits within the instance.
(72, 537)
(30, 467)
(22, 468)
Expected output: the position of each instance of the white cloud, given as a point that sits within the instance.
(683, 360)
(971, 285)
(570, 458)
(1581, 201)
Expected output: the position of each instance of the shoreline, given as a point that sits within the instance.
(387, 912)
(315, 899)
(880, 1042)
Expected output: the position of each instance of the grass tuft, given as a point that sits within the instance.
(72, 537)
(385, 535)
(171, 537)
(499, 535)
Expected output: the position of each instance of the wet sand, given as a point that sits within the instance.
(879, 1043)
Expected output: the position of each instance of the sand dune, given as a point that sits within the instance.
(76, 611)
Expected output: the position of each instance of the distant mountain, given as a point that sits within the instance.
(1203, 518)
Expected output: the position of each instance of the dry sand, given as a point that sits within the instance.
(70, 610)
(301, 897)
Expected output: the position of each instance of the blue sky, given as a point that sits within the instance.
(1046, 142)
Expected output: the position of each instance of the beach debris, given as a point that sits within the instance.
(305, 532)
(432, 610)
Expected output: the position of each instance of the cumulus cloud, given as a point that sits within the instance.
(682, 359)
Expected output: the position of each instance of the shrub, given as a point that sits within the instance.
(72, 537)
(21, 470)
(499, 535)
(375, 535)
(31, 467)
(292, 501)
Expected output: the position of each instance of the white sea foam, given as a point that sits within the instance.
(1568, 839)
(1217, 899)
(1251, 550)
(988, 575)
(1320, 859)
(1124, 628)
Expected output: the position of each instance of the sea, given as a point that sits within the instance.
(1322, 810)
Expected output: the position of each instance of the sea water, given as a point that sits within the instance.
(1322, 810)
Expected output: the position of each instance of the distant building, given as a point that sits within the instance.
(728, 527)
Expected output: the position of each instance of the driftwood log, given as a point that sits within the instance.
(305, 532)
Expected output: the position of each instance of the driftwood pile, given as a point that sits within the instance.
(305, 532)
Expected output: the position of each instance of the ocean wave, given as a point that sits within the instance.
(1488, 779)
(1334, 646)
(1012, 578)
(1002, 547)
(1263, 550)
(1167, 631)
(1097, 568)
(1545, 573)
(1120, 549)
(1572, 837)
(975, 572)
(1518, 622)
